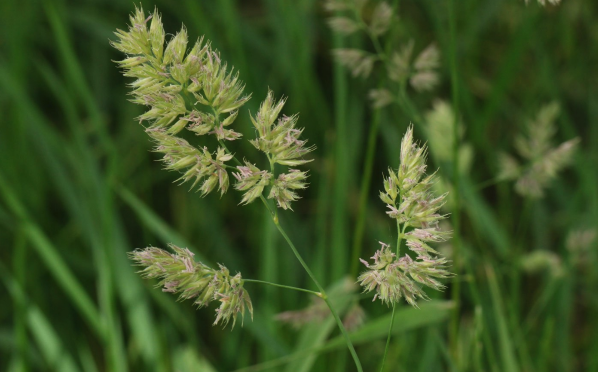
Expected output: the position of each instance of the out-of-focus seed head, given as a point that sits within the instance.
(316, 312)
(336, 5)
(439, 129)
(354, 318)
(579, 244)
(543, 2)
(381, 19)
(542, 161)
(425, 76)
(380, 97)
(540, 260)
(343, 25)
(359, 62)
(400, 62)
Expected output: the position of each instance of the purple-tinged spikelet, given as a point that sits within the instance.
(179, 273)
(408, 196)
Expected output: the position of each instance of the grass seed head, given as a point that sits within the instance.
(178, 272)
(410, 200)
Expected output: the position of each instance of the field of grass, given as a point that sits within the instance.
(79, 188)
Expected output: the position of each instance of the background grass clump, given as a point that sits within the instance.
(79, 188)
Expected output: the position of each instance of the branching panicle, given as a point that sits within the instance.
(171, 81)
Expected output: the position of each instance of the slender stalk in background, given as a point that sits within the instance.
(366, 181)
(368, 166)
(456, 212)
(341, 177)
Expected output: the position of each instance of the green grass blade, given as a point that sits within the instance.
(53, 351)
(506, 349)
(409, 318)
(58, 268)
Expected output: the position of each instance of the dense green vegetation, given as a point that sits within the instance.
(79, 188)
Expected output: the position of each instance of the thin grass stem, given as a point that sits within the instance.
(400, 232)
(392, 320)
(322, 292)
(365, 189)
(283, 286)
(367, 176)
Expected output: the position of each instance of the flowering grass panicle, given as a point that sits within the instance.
(542, 160)
(279, 139)
(180, 273)
(193, 89)
(172, 81)
(409, 200)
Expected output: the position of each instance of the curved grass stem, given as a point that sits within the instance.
(320, 288)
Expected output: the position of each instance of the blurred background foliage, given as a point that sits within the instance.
(79, 188)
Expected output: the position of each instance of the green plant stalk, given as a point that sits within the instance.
(367, 176)
(322, 295)
(283, 286)
(392, 320)
(365, 189)
(456, 215)
(341, 177)
(400, 232)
